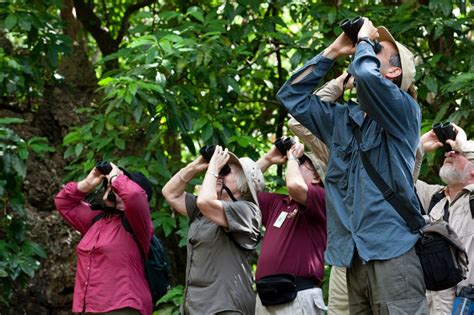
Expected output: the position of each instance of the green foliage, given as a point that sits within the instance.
(19, 257)
(190, 76)
(171, 302)
(32, 28)
(205, 73)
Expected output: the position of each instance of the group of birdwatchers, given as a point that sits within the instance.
(333, 214)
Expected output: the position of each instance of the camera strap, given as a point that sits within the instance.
(231, 195)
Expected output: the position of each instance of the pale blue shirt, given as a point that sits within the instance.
(358, 215)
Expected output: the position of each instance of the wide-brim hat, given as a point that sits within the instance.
(252, 173)
(406, 58)
(318, 165)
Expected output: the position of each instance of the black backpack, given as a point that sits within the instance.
(156, 266)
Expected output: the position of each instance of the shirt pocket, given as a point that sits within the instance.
(372, 139)
(461, 221)
(338, 168)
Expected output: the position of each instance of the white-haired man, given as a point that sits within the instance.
(451, 203)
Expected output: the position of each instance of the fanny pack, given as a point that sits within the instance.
(281, 288)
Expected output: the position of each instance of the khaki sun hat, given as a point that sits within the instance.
(406, 58)
(253, 174)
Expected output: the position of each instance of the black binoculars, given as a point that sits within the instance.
(445, 131)
(207, 152)
(352, 27)
(104, 167)
(283, 144)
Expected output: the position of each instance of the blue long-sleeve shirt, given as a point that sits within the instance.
(358, 215)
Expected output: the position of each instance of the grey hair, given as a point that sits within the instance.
(395, 61)
(242, 185)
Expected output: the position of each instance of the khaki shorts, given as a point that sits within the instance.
(307, 302)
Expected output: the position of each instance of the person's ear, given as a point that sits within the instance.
(316, 180)
(393, 72)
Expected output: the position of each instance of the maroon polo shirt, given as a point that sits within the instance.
(297, 246)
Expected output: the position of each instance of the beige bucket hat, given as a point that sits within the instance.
(406, 58)
(253, 174)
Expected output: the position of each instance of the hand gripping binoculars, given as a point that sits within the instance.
(445, 131)
(352, 27)
(207, 152)
(283, 144)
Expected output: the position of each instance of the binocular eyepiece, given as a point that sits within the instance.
(207, 152)
(104, 167)
(445, 131)
(352, 27)
(283, 144)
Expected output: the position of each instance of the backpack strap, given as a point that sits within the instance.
(471, 203)
(437, 197)
(125, 225)
(129, 229)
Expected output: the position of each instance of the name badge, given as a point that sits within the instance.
(281, 218)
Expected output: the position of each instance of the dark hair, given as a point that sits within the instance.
(141, 180)
(395, 61)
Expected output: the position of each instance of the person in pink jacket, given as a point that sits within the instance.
(110, 277)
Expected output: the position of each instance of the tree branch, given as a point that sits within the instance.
(130, 10)
(91, 22)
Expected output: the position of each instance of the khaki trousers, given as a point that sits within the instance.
(307, 302)
(387, 287)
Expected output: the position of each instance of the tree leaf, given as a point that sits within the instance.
(10, 21)
(197, 13)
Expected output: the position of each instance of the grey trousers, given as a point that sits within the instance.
(395, 286)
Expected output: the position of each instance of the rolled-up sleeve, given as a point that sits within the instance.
(244, 221)
(309, 109)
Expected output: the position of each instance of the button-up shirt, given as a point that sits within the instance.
(110, 269)
(218, 273)
(358, 215)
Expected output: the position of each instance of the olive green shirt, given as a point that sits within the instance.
(218, 273)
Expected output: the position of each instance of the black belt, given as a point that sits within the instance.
(305, 283)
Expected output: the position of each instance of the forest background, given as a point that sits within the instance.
(146, 83)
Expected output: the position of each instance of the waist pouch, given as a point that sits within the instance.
(281, 288)
(442, 256)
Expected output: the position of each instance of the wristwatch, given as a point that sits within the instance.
(367, 40)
